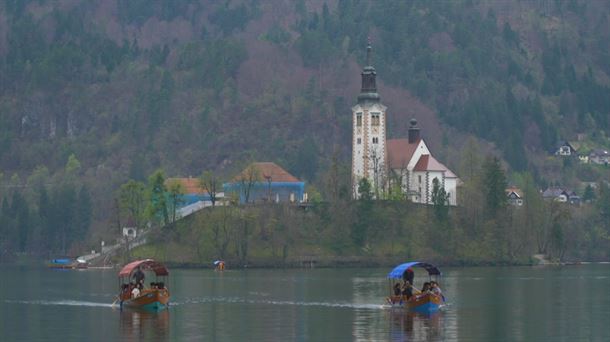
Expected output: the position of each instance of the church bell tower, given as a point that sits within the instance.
(369, 153)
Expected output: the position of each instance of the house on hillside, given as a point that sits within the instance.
(573, 198)
(386, 163)
(561, 195)
(130, 231)
(600, 157)
(265, 182)
(555, 194)
(515, 196)
(565, 148)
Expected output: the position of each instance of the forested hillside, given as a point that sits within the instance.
(94, 93)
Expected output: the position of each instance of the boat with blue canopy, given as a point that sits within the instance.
(404, 294)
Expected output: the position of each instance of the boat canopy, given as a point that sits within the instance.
(398, 271)
(149, 264)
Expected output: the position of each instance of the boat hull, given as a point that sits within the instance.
(425, 303)
(150, 299)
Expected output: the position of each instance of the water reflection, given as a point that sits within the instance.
(141, 324)
(414, 326)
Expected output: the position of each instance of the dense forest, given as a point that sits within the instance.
(96, 93)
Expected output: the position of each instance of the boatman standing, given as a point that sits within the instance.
(138, 276)
(408, 275)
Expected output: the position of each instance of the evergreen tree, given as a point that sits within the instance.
(494, 182)
(44, 218)
(158, 197)
(364, 213)
(132, 201)
(440, 201)
(83, 210)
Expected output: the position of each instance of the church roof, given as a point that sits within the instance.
(268, 171)
(427, 163)
(400, 152)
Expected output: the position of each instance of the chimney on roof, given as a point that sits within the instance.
(413, 132)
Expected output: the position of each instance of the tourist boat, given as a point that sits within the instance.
(155, 297)
(427, 302)
(67, 263)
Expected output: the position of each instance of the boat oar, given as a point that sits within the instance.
(115, 300)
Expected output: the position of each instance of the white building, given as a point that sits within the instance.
(369, 133)
(405, 161)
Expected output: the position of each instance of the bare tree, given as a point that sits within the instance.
(176, 190)
(211, 183)
(247, 180)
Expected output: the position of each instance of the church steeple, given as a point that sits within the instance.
(368, 92)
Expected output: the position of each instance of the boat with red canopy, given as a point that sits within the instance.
(405, 295)
(154, 297)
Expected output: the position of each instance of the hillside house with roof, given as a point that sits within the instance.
(565, 148)
(514, 196)
(600, 157)
(561, 195)
(385, 163)
(265, 182)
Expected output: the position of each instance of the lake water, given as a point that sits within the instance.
(570, 303)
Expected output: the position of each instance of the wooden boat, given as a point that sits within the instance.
(67, 264)
(155, 297)
(425, 302)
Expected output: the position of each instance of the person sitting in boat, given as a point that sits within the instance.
(138, 276)
(426, 287)
(409, 290)
(397, 289)
(136, 291)
(436, 289)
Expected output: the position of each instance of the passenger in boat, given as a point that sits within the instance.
(426, 287)
(435, 288)
(135, 292)
(409, 291)
(138, 276)
(397, 289)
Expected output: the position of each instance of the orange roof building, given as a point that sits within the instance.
(265, 182)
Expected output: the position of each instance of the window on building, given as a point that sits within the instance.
(419, 178)
(375, 140)
(359, 141)
(375, 119)
(358, 119)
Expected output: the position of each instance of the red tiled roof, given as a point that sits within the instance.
(427, 163)
(189, 185)
(400, 152)
(268, 171)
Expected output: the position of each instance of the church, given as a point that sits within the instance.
(404, 164)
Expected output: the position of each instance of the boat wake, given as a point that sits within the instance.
(59, 302)
(237, 300)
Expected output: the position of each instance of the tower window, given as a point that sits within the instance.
(359, 141)
(375, 119)
(359, 119)
(375, 140)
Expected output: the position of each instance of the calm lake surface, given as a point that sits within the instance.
(570, 303)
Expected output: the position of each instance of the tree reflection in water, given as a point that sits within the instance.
(414, 326)
(137, 325)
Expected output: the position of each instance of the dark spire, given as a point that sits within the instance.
(413, 132)
(368, 92)
(368, 53)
